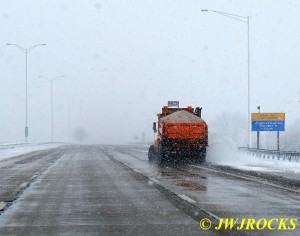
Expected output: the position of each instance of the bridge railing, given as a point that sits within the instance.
(273, 154)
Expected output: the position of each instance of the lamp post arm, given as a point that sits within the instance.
(44, 77)
(229, 14)
(17, 46)
(232, 17)
(33, 47)
(58, 77)
(244, 19)
(25, 50)
(51, 79)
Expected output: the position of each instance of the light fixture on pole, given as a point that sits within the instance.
(26, 51)
(51, 84)
(244, 19)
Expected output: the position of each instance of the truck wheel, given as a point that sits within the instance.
(202, 156)
(158, 159)
(151, 153)
(160, 155)
(202, 160)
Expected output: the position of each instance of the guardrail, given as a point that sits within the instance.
(273, 154)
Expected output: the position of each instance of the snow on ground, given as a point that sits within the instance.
(16, 149)
(224, 152)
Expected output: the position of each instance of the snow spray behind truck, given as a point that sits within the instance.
(180, 132)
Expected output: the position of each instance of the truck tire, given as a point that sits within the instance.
(201, 156)
(159, 158)
(151, 153)
(202, 160)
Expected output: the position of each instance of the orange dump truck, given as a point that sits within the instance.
(181, 132)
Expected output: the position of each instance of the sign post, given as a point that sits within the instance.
(257, 139)
(277, 140)
(268, 122)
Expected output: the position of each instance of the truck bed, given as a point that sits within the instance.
(194, 131)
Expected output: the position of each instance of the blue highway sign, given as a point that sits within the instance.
(268, 125)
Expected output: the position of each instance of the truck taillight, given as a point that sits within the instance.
(165, 108)
(190, 108)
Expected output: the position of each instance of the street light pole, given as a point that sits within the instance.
(26, 98)
(249, 126)
(244, 19)
(26, 51)
(51, 110)
(51, 84)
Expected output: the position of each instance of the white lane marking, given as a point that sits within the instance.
(214, 216)
(154, 180)
(2, 205)
(23, 185)
(248, 178)
(184, 197)
(136, 170)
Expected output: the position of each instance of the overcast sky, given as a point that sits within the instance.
(123, 60)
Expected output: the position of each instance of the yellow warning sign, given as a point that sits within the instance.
(268, 116)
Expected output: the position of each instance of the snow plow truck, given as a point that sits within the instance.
(179, 133)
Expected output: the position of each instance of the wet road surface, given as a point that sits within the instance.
(85, 193)
(18, 171)
(221, 194)
(114, 190)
